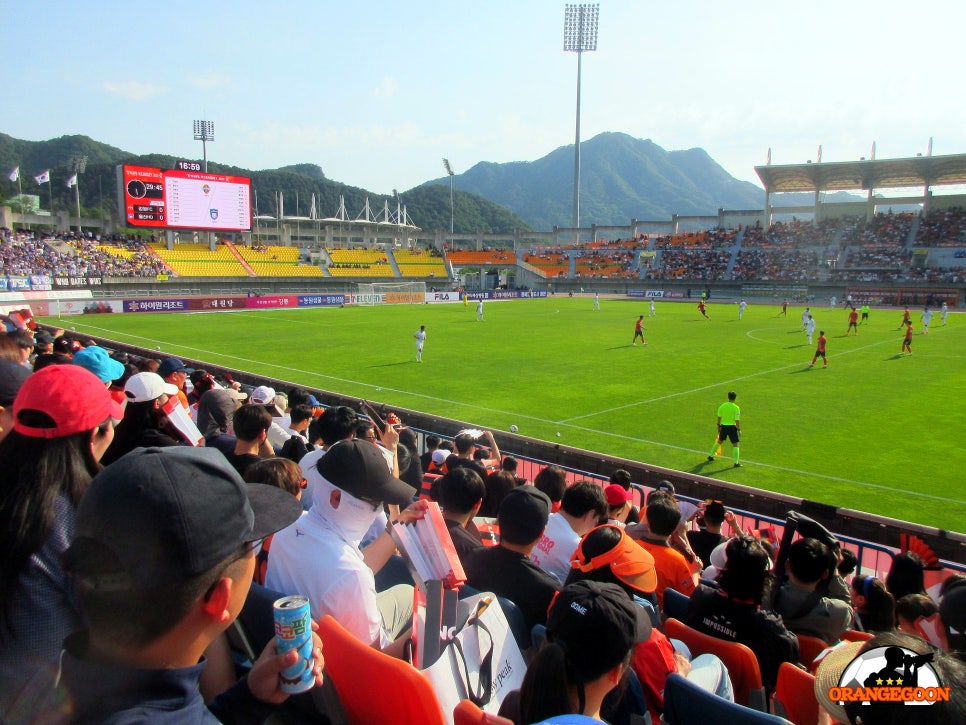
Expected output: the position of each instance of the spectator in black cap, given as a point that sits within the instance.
(12, 376)
(506, 570)
(162, 561)
(592, 629)
(320, 556)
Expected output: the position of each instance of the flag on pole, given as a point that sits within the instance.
(43, 178)
(72, 181)
(15, 174)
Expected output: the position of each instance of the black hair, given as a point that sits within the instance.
(509, 464)
(300, 413)
(622, 478)
(583, 497)
(362, 428)
(459, 490)
(282, 473)
(552, 481)
(250, 420)
(299, 396)
(848, 563)
(432, 441)
(663, 515)
(498, 484)
(732, 395)
(129, 433)
(464, 442)
(747, 575)
(315, 430)
(808, 560)
(913, 606)
(337, 423)
(34, 473)
(878, 614)
(906, 575)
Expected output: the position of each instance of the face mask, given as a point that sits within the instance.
(351, 520)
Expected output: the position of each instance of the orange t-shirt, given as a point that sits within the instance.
(672, 570)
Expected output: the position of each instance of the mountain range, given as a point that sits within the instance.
(622, 178)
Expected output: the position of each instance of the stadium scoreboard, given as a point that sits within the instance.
(183, 198)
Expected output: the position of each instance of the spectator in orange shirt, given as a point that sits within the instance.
(673, 570)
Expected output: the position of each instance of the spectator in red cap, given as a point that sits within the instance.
(618, 504)
(63, 423)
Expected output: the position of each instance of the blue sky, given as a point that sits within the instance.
(376, 93)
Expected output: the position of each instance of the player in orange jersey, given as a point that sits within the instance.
(820, 350)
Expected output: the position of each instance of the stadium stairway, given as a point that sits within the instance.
(391, 256)
(735, 251)
(240, 258)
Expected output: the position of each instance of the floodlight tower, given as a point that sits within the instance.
(580, 34)
(449, 170)
(204, 132)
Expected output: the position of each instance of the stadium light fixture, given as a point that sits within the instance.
(580, 35)
(204, 132)
(449, 170)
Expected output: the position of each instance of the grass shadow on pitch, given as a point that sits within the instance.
(897, 356)
(394, 364)
(807, 368)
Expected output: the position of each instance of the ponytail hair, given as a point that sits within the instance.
(545, 689)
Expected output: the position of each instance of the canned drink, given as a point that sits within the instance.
(293, 630)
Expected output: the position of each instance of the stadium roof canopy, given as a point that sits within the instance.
(872, 174)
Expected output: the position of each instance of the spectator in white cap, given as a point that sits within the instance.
(266, 397)
(145, 423)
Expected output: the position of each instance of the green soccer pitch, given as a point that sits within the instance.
(877, 431)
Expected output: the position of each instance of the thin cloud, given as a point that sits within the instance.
(212, 79)
(386, 88)
(133, 90)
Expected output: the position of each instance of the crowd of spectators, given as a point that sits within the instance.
(942, 228)
(696, 264)
(28, 252)
(773, 265)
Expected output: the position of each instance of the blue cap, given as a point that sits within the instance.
(171, 365)
(97, 360)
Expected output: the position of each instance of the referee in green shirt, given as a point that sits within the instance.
(729, 427)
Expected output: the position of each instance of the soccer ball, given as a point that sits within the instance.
(158, 348)
(513, 429)
(558, 434)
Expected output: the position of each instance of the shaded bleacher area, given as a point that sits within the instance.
(419, 263)
(31, 252)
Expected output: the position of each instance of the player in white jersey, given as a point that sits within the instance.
(653, 312)
(943, 313)
(479, 311)
(926, 317)
(420, 336)
(741, 308)
(810, 328)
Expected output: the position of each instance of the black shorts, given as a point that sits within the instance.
(865, 315)
(906, 342)
(729, 432)
(821, 353)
